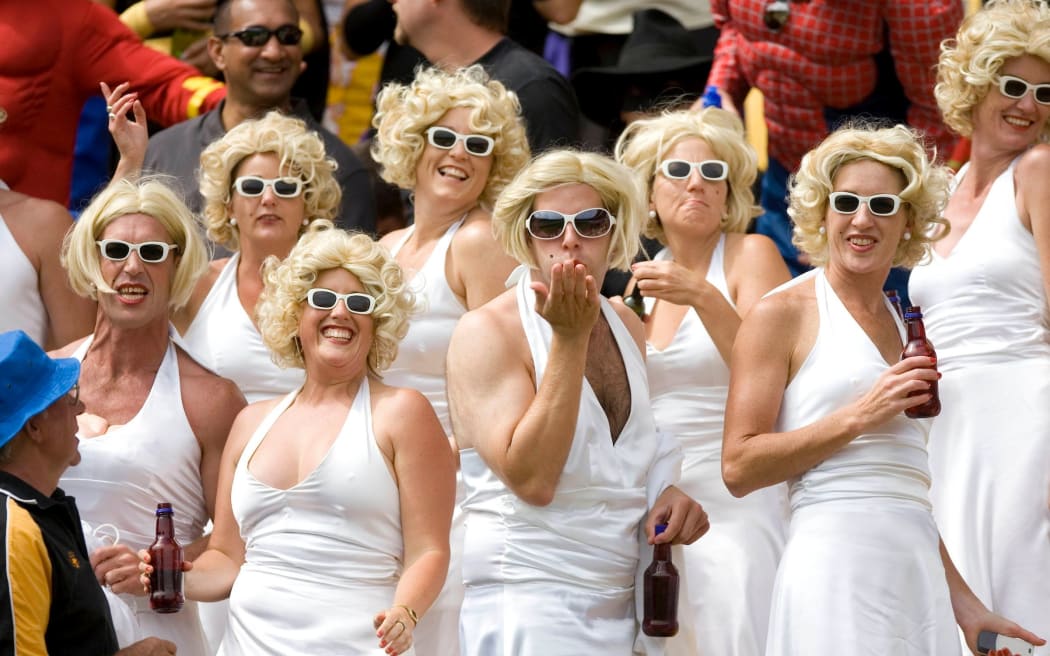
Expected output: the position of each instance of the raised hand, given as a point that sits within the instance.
(572, 303)
(130, 136)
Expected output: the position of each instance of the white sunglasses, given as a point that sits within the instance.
(845, 202)
(710, 169)
(446, 138)
(252, 186)
(320, 298)
(1015, 87)
(152, 252)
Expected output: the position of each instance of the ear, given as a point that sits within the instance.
(34, 428)
(215, 51)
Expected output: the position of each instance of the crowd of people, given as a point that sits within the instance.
(457, 437)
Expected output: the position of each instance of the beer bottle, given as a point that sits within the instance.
(919, 345)
(165, 556)
(660, 592)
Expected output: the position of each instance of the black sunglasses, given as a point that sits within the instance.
(257, 35)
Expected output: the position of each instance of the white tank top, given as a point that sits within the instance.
(688, 379)
(223, 338)
(124, 473)
(420, 363)
(890, 461)
(985, 302)
(20, 292)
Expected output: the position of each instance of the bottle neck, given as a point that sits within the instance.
(916, 330)
(662, 552)
(165, 526)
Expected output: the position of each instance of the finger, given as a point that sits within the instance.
(105, 90)
(139, 111)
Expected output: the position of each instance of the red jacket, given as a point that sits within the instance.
(53, 54)
(823, 57)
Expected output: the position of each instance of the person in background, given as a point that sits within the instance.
(984, 299)
(49, 603)
(817, 395)
(335, 536)
(453, 34)
(154, 420)
(699, 170)
(819, 64)
(566, 474)
(454, 140)
(36, 293)
(257, 45)
(55, 53)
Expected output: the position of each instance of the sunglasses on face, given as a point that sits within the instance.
(1015, 87)
(478, 145)
(252, 186)
(550, 224)
(710, 169)
(148, 251)
(257, 35)
(320, 298)
(845, 202)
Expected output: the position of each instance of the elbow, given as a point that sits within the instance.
(735, 478)
(535, 494)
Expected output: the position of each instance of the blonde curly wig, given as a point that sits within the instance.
(149, 195)
(403, 114)
(620, 189)
(969, 64)
(925, 190)
(645, 143)
(324, 247)
(301, 153)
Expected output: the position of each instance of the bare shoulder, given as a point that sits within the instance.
(750, 247)
(631, 321)
(1035, 159)
(475, 231)
(783, 307)
(398, 405)
(36, 223)
(499, 316)
(392, 237)
(68, 350)
(205, 387)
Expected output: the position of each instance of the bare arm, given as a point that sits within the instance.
(754, 268)
(1033, 203)
(426, 479)
(772, 343)
(558, 11)
(524, 435)
(131, 137)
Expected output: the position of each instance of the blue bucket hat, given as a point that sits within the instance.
(30, 381)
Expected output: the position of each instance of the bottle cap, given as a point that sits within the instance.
(914, 312)
(892, 293)
(660, 528)
(164, 509)
(711, 97)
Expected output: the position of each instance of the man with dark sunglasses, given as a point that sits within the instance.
(258, 48)
(566, 475)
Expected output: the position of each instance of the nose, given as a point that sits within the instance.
(272, 49)
(695, 180)
(1027, 101)
(134, 262)
(570, 238)
(269, 196)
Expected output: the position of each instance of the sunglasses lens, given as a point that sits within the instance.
(322, 299)
(1042, 94)
(845, 203)
(443, 138)
(546, 225)
(288, 35)
(477, 145)
(882, 205)
(152, 252)
(714, 170)
(1013, 88)
(254, 36)
(116, 250)
(593, 222)
(250, 186)
(677, 168)
(286, 188)
(359, 303)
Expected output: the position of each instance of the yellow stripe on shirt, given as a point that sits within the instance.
(28, 570)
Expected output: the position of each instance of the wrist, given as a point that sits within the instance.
(412, 615)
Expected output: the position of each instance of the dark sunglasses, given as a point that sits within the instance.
(257, 35)
(148, 251)
(252, 186)
(445, 139)
(320, 298)
(710, 169)
(550, 224)
(845, 202)
(1015, 87)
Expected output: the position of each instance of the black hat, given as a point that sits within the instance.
(658, 48)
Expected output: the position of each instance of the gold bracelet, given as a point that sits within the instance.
(411, 613)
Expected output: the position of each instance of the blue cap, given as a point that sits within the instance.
(30, 381)
(660, 528)
(711, 97)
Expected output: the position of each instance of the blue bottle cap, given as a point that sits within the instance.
(914, 312)
(660, 528)
(711, 97)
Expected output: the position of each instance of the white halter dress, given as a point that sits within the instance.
(223, 338)
(20, 294)
(726, 577)
(322, 557)
(985, 311)
(861, 573)
(124, 473)
(420, 365)
(560, 580)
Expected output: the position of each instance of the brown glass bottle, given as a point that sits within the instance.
(895, 301)
(660, 592)
(918, 345)
(636, 301)
(165, 556)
